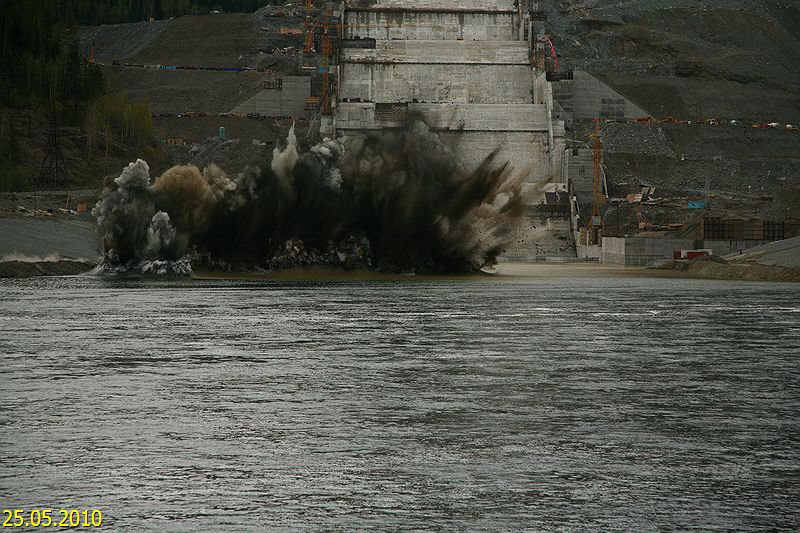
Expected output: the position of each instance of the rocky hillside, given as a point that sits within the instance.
(235, 40)
(686, 57)
(690, 59)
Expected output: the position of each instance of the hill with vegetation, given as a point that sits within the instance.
(48, 83)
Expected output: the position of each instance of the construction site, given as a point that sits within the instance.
(631, 164)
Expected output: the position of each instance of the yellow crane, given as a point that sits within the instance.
(330, 29)
(310, 26)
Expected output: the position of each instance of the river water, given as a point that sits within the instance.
(505, 404)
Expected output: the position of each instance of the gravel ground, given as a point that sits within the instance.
(179, 91)
(230, 156)
(120, 41)
(229, 40)
(741, 40)
(759, 167)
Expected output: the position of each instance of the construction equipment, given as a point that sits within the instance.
(595, 225)
(322, 31)
(553, 54)
(310, 27)
(327, 50)
(54, 169)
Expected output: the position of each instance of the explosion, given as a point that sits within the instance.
(391, 201)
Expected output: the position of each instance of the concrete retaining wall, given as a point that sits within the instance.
(643, 251)
(650, 251)
(433, 5)
(580, 169)
(591, 251)
(465, 84)
(525, 152)
(519, 133)
(441, 52)
(439, 26)
(459, 117)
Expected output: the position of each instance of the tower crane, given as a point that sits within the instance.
(329, 28)
(595, 226)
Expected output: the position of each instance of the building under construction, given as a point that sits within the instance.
(476, 71)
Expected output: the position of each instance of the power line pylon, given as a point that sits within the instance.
(54, 169)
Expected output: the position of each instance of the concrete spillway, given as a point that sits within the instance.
(468, 67)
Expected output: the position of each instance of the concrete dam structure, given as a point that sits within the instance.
(475, 70)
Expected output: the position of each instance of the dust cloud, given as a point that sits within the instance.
(389, 201)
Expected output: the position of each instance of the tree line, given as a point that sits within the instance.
(94, 12)
(42, 69)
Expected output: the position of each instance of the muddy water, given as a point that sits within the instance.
(497, 405)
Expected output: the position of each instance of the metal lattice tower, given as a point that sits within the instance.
(54, 169)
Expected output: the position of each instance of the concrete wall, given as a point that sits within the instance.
(590, 251)
(643, 251)
(437, 52)
(433, 5)
(541, 90)
(493, 84)
(524, 152)
(585, 97)
(580, 169)
(411, 25)
(289, 101)
(472, 131)
(650, 251)
(457, 117)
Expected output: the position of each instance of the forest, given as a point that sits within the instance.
(44, 73)
(93, 12)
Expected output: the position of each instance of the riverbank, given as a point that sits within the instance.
(62, 245)
(34, 268)
(39, 243)
(55, 266)
(718, 268)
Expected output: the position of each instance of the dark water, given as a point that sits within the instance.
(595, 404)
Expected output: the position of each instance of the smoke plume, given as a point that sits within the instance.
(392, 201)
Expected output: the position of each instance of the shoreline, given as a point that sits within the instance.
(503, 271)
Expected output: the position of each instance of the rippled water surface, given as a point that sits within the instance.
(499, 405)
